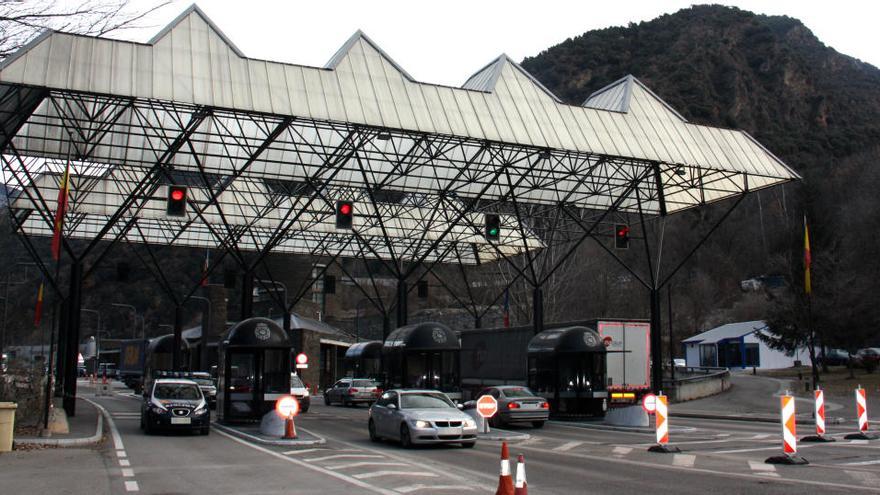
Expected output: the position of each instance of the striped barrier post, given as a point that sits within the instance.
(789, 434)
(661, 421)
(521, 486)
(862, 415)
(819, 411)
(505, 481)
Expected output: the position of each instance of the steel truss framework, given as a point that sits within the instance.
(262, 183)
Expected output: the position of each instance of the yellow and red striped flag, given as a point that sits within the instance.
(808, 259)
(38, 310)
(63, 189)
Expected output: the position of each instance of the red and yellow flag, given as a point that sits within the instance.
(808, 259)
(63, 189)
(38, 310)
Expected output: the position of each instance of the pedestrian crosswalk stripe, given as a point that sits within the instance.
(376, 474)
(622, 450)
(345, 456)
(131, 486)
(685, 460)
(762, 467)
(568, 446)
(433, 488)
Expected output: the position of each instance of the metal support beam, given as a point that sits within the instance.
(538, 310)
(72, 331)
(401, 302)
(247, 295)
(656, 343)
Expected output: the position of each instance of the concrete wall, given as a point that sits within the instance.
(698, 386)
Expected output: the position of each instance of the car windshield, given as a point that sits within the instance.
(203, 381)
(425, 401)
(295, 382)
(178, 391)
(517, 392)
(362, 383)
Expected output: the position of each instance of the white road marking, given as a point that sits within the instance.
(127, 472)
(862, 463)
(120, 453)
(762, 435)
(858, 442)
(865, 477)
(685, 460)
(313, 467)
(739, 451)
(761, 466)
(568, 446)
(376, 474)
(360, 464)
(621, 450)
(303, 451)
(344, 456)
(132, 486)
(415, 488)
(124, 462)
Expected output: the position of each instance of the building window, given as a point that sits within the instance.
(708, 356)
(753, 357)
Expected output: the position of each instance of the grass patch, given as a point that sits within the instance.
(836, 382)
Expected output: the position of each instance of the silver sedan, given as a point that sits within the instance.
(420, 417)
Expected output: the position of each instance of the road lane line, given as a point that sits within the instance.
(760, 466)
(121, 453)
(865, 477)
(418, 488)
(621, 450)
(303, 451)
(124, 462)
(685, 460)
(568, 446)
(376, 474)
(345, 456)
(306, 465)
(132, 486)
(360, 464)
(862, 463)
(127, 472)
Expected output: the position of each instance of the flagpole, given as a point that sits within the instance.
(808, 289)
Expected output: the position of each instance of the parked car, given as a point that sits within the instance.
(352, 391)
(868, 358)
(208, 386)
(420, 417)
(299, 390)
(835, 357)
(175, 404)
(515, 405)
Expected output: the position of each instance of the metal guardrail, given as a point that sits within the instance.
(702, 373)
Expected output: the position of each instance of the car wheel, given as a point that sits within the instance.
(326, 399)
(468, 445)
(538, 424)
(405, 438)
(372, 429)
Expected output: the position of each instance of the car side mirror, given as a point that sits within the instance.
(392, 406)
(460, 406)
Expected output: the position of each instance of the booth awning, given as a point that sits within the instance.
(565, 340)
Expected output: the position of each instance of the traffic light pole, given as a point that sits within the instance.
(401, 303)
(72, 340)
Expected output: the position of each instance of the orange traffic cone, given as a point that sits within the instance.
(289, 428)
(520, 487)
(505, 482)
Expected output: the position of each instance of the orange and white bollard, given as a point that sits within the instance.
(819, 412)
(789, 434)
(505, 482)
(862, 414)
(521, 487)
(661, 422)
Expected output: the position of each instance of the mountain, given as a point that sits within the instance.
(817, 109)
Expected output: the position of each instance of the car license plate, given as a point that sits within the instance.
(529, 405)
(181, 421)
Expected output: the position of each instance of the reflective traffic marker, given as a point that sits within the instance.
(287, 407)
(862, 415)
(487, 407)
(789, 434)
(661, 421)
(302, 361)
(819, 411)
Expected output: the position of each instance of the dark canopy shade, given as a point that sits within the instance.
(165, 344)
(422, 336)
(256, 332)
(565, 340)
(365, 350)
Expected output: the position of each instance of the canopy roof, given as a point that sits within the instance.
(267, 148)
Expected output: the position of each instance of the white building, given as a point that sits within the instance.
(736, 345)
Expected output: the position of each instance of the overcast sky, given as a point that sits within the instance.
(445, 41)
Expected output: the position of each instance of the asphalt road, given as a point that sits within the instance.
(562, 458)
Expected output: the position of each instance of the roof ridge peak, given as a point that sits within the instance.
(195, 9)
(346, 47)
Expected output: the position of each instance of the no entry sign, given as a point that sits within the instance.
(649, 403)
(287, 406)
(487, 406)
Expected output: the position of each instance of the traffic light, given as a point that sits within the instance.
(493, 227)
(423, 289)
(621, 236)
(175, 205)
(344, 214)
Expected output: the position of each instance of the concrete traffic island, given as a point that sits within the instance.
(270, 431)
(84, 429)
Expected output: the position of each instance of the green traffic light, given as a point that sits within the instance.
(493, 232)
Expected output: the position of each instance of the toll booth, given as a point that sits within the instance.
(159, 358)
(424, 355)
(364, 360)
(567, 366)
(254, 370)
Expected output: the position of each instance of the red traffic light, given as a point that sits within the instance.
(344, 214)
(177, 195)
(345, 208)
(622, 230)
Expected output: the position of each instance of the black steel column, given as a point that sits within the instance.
(72, 350)
(538, 310)
(247, 295)
(401, 302)
(386, 326)
(656, 343)
(178, 334)
(61, 350)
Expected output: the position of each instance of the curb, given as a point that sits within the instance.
(281, 443)
(508, 436)
(69, 442)
(755, 419)
(630, 429)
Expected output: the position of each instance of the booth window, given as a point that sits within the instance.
(276, 378)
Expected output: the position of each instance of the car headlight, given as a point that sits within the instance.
(422, 424)
(157, 407)
(202, 409)
(306, 394)
(469, 423)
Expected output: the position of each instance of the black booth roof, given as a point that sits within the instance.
(565, 340)
(371, 349)
(256, 332)
(164, 344)
(422, 336)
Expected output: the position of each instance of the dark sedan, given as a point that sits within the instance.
(175, 404)
(517, 405)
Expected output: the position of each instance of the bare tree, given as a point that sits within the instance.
(21, 21)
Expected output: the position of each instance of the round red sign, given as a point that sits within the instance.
(649, 403)
(607, 340)
(287, 406)
(301, 358)
(487, 406)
